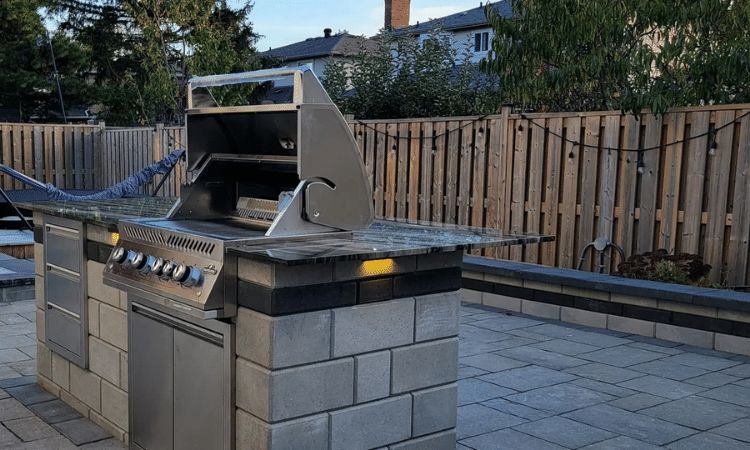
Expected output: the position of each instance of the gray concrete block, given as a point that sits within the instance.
(424, 365)
(366, 328)
(445, 440)
(371, 425)
(436, 316)
(276, 342)
(113, 326)
(434, 409)
(307, 432)
(690, 336)
(288, 393)
(104, 360)
(469, 296)
(372, 376)
(279, 275)
(96, 287)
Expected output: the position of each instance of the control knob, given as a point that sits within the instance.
(194, 277)
(167, 269)
(135, 259)
(153, 265)
(119, 254)
(180, 272)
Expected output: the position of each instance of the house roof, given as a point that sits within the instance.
(471, 18)
(343, 44)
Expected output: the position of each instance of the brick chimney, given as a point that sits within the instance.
(396, 14)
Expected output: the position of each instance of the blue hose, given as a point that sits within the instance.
(125, 187)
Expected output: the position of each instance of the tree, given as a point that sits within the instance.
(402, 78)
(145, 52)
(562, 55)
(27, 82)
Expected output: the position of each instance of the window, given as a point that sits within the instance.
(482, 41)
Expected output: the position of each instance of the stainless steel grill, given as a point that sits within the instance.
(269, 157)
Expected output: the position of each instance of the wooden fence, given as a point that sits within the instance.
(87, 156)
(563, 174)
(528, 174)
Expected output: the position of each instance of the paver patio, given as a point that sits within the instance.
(525, 383)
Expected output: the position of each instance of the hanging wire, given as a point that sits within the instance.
(711, 133)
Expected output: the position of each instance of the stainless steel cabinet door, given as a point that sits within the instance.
(198, 416)
(151, 382)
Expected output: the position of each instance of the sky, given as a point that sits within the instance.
(283, 22)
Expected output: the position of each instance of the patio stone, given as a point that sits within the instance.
(478, 334)
(638, 401)
(491, 362)
(477, 419)
(30, 394)
(505, 323)
(742, 371)
(472, 390)
(712, 380)
(662, 387)
(541, 357)
(30, 428)
(600, 386)
(565, 347)
(54, 411)
(7, 439)
(739, 395)
(637, 426)
(621, 356)
(9, 355)
(17, 381)
(704, 441)
(509, 439)
(655, 348)
(621, 443)
(736, 430)
(572, 334)
(10, 408)
(527, 378)
(7, 372)
(516, 409)
(604, 372)
(565, 432)
(468, 372)
(698, 412)
(669, 370)
(107, 444)
(469, 348)
(81, 431)
(701, 361)
(560, 398)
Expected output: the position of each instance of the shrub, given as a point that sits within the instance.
(680, 268)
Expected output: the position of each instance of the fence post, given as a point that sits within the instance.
(99, 156)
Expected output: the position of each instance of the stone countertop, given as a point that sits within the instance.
(106, 213)
(383, 239)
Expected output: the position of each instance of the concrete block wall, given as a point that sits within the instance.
(358, 377)
(100, 391)
(646, 315)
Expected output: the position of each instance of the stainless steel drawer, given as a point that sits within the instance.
(63, 247)
(63, 288)
(64, 330)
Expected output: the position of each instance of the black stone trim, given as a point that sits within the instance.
(694, 321)
(296, 299)
(96, 251)
(377, 290)
(427, 282)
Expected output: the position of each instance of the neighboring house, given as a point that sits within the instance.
(317, 52)
(468, 30)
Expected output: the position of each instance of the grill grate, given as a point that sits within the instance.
(257, 208)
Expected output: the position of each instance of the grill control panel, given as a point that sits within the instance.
(166, 270)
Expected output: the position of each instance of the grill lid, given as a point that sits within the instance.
(271, 148)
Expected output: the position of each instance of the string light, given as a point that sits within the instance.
(711, 150)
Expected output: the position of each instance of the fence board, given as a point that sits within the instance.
(589, 174)
(737, 255)
(552, 189)
(426, 171)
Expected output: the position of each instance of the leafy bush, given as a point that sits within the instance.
(402, 77)
(681, 268)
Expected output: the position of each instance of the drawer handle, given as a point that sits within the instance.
(62, 230)
(70, 274)
(64, 310)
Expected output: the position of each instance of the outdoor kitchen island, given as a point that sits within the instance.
(267, 309)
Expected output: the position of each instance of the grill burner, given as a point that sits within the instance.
(259, 171)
